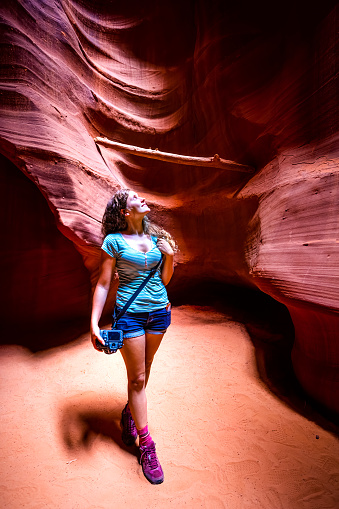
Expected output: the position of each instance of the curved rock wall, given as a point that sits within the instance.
(254, 83)
(45, 297)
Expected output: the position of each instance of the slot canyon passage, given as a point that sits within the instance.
(244, 393)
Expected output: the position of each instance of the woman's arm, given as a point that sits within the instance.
(168, 263)
(107, 267)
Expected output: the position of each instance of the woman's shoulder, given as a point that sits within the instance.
(111, 243)
(112, 236)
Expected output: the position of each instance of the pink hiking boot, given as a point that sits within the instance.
(150, 464)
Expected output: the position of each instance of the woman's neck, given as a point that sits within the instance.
(134, 228)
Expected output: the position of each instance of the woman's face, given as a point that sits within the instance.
(136, 204)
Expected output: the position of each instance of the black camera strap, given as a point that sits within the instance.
(136, 293)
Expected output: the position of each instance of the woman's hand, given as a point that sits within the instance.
(95, 335)
(167, 266)
(165, 247)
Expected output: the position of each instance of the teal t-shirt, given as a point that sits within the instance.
(133, 267)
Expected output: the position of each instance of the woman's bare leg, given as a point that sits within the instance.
(152, 344)
(133, 353)
(138, 354)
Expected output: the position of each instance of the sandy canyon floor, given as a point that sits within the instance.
(224, 438)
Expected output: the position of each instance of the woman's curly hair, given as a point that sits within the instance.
(113, 220)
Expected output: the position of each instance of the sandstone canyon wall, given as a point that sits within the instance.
(253, 83)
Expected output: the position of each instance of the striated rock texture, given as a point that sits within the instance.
(253, 83)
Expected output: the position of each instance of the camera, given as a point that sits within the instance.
(113, 340)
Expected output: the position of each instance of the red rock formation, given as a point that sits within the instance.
(45, 298)
(253, 83)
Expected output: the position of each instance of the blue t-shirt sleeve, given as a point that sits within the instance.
(110, 246)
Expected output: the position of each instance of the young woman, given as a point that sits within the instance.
(133, 246)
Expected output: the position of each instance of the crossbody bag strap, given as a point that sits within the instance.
(136, 293)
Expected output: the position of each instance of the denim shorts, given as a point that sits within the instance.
(136, 324)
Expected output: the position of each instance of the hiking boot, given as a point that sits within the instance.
(129, 430)
(150, 464)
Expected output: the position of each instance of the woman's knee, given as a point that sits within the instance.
(137, 382)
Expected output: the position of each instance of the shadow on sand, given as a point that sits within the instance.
(84, 417)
